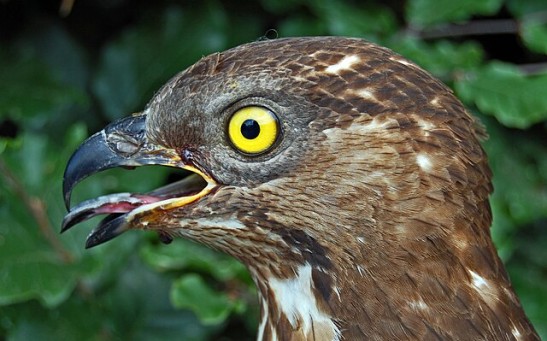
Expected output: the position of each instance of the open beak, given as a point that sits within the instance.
(124, 144)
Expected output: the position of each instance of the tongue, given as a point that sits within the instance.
(107, 204)
(122, 206)
(126, 202)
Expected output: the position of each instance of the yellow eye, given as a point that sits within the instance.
(253, 130)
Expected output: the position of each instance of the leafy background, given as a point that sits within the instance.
(70, 67)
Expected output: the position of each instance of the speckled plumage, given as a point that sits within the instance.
(369, 219)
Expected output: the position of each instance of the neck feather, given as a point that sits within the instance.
(293, 309)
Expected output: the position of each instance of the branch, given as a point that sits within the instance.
(533, 68)
(37, 209)
(478, 27)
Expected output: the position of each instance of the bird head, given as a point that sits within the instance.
(348, 180)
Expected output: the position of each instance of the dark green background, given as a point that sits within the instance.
(65, 73)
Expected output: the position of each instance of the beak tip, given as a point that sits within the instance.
(65, 226)
(67, 190)
(89, 243)
(111, 227)
(67, 201)
(93, 240)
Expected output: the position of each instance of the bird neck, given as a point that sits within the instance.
(360, 298)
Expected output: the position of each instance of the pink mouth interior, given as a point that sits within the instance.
(122, 203)
(124, 207)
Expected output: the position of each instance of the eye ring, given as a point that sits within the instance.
(253, 130)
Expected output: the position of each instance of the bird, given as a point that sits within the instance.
(350, 182)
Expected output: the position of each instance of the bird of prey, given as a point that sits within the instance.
(349, 181)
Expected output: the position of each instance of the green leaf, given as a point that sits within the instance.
(299, 25)
(35, 262)
(282, 6)
(140, 305)
(43, 79)
(529, 7)
(118, 312)
(366, 20)
(73, 320)
(519, 164)
(534, 34)
(429, 12)
(61, 53)
(192, 292)
(185, 255)
(134, 67)
(30, 90)
(501, 90)
(529, 281)
(442, 58)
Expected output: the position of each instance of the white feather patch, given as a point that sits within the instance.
(424, 162)
(478, 282)
(516, 333)
(297, 301)
(263, 323)
(345, 63)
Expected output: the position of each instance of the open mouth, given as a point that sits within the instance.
(124, 144)
(117, 204)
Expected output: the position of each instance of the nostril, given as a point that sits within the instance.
(125, 145)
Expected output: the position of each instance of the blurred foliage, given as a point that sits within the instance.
(65, 73)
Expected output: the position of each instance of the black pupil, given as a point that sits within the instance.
(250, 129)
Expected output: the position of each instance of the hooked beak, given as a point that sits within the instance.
(124, 144)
